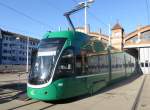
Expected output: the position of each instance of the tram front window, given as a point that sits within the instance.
(43, 62)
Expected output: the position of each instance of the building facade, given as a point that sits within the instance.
(13, 48)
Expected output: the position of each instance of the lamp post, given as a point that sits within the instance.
(85, 16)
(86, 5)
(109, 35)
(18, 38)
(81, 5)
(27, 64)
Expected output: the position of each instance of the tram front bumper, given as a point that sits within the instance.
(45, 93)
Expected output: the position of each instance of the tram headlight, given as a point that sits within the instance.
(32, 92)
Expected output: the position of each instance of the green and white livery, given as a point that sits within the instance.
(70, 63)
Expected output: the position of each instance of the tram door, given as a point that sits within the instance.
(145, 60)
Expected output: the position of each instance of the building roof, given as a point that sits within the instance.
(117, 26)
(18, 35)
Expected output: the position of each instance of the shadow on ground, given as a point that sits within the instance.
(22, 88)
(105, 89)
(8, 89)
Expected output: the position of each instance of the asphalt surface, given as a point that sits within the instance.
(119, 96)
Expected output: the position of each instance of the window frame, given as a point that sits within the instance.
(63, 73)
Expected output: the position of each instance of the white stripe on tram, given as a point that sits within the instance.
(84, 76)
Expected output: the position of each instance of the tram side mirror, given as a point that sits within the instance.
(33, 55)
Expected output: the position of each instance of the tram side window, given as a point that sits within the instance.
(79, 64)
(65, 64)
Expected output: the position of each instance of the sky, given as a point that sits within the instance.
(35, 17)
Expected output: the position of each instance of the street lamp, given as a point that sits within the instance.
(85, 4)
(14, 52)
(80, 6)
(27, 61)
(18, 38)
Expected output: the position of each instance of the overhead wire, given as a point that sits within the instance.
(105, 26)
(44, 24)
(55, 7)
(19, 30)
(75, 1)
(23, 14)
(98, 19)
(95, 17)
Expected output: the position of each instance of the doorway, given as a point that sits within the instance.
(145, 60)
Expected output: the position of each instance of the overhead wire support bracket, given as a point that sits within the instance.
(67, 15)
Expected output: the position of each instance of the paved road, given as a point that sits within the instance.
(144, 103)
(12, 78)
(119, 96)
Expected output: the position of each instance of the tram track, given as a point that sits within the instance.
(26, 102)
(31, 104)
(23, 105)
(14, 95)
(138, 97)
(8, 91)
(49, 106)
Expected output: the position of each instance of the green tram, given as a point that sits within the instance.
(70, 63)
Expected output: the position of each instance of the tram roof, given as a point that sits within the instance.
(64, 34)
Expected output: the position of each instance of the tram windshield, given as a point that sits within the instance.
(44, 60)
